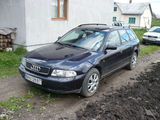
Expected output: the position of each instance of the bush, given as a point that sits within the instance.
(20, 51)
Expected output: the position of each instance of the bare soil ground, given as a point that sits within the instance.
(140, 101)
(65, 106)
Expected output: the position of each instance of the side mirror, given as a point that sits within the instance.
(59, 37)
(110, 48)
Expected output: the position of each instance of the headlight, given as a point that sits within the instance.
(23, 61)
(64, 73)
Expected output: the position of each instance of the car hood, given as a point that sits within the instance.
(152, 34)
(57, 52)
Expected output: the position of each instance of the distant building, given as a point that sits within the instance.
(138, 15)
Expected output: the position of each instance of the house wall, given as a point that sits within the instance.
(125, 18)
(117, 13)
(12, 14)
(41, 29)
(146, 18)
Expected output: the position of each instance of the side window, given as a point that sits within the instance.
(124, 36)
(113, 39)
(131, 34)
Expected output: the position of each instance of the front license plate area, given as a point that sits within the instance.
(33, 79)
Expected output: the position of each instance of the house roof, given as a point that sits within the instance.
(133, 8)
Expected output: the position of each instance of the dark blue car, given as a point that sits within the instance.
(77, 61)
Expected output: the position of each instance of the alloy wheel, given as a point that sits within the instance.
(93, 83)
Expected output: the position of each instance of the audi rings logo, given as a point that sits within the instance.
(35, 68)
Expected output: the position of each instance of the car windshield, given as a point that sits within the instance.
(155, 30)
(87, 39)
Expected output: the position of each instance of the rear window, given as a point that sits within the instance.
(131, 34)
(124, 36)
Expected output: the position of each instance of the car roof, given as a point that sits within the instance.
(101, 27)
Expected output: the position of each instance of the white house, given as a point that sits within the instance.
(40, 22)
(137, 15)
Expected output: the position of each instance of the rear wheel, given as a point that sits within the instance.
(133, 61)
(90, 83)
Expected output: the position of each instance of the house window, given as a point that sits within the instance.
(132, 20)
(59, 9)
(115, 9)
(114, 19)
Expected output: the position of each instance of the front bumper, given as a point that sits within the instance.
(151, 41)
(56, 84)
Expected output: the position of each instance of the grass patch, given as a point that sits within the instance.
(139, 33)
(8, 71)
(10, 61)
(148, 49)
(155, 22)
(17, 103)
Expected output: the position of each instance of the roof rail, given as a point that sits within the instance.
(92, 24)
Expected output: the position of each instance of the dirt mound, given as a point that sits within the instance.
(138, 102)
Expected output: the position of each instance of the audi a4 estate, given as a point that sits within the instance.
(77, 61)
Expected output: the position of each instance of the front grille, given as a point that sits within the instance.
(37, 68)
(152, 36)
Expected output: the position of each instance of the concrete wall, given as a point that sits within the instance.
(146, 18)
(12, 14)
(41, 29)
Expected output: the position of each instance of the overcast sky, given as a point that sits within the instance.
(154, 3)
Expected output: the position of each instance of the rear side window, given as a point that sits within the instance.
(113, 39)
(131, 34)
(124, 36)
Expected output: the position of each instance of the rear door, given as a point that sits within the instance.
(126, 46)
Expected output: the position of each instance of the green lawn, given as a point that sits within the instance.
(155, 22)
(9, 62)
(139, 33)
(149, 49)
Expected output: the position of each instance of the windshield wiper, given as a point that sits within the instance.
(72, 45)
(60, 43)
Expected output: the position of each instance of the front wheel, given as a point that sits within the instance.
(133, 61)
(143, 42)
(90, 83)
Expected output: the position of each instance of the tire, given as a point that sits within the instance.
(133, 61)
(90, 83)
(143, 42)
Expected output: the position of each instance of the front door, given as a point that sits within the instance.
(112, 58)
